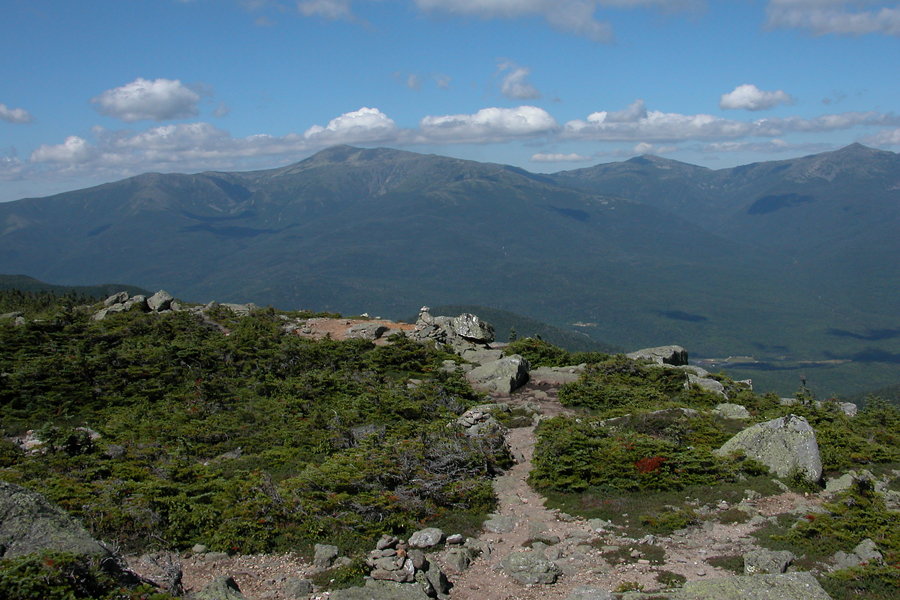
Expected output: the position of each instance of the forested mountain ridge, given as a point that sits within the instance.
(790, 262)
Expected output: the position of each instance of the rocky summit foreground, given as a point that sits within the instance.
(580, 441)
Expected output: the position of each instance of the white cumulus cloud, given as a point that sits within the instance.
(645, 148)
(515, 85)
(543, 157)
(750, 97)
(657, 126)
(144, 100)
(883, 139)
(775, 146)
(11, 168)
(75, 150)
(15, 115)
(488, 125)
(362, 126)
(840, 17)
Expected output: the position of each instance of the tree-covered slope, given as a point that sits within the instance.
(729, 262)
(248, 439)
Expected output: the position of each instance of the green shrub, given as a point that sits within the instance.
(621, 382)
(574, 454)
(670, 579)
(732, 563)
(544, 354)
(65, 576)
(872, 582)
(255, 441)
(669, 520)
(855, 515)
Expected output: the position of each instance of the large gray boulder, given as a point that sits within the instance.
(865, 552)
(426, 538)
(757, 562)
(662, 355)
(117, 298)
(30, 523)
(728, 410)
(785, 445)
(458, 558)
(161, 300)
(297, 589)
(500, 376)
(325, 555)
(220, 588)
(705, 383)
(787, 586)
(472, 328)
(529, 568)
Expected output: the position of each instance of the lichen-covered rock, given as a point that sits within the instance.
(847, 480)
(30, 523)
(481, 356)
(159, 301)
(728, 410)
(117, 298)
(382, 590)
(556, 375)
(367, 331)
(220, 588)
(426, 538)
(757, 562)
(529, 568)
(586, 592)
(705, 383)
(297, 588)
(472, 328)
(785, 445)
(787, 586)
(458, 558)
(500, 376)
(325, 555)
(479, 422)
(498, 524)
(865, 552)
(662, 355)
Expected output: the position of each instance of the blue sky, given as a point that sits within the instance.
(95, 91)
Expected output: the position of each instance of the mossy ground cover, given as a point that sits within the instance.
(253, 441)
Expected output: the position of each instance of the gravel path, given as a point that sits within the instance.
(579, 552)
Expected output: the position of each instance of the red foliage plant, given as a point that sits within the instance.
(650, 464)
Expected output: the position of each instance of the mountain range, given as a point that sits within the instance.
(793, 265)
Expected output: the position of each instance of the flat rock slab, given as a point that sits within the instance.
(556, 375)
(382, 590)
(501, 524)
(788, 586)
(589, 593)
(31, 523)
(529, 568)
(662, 355)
